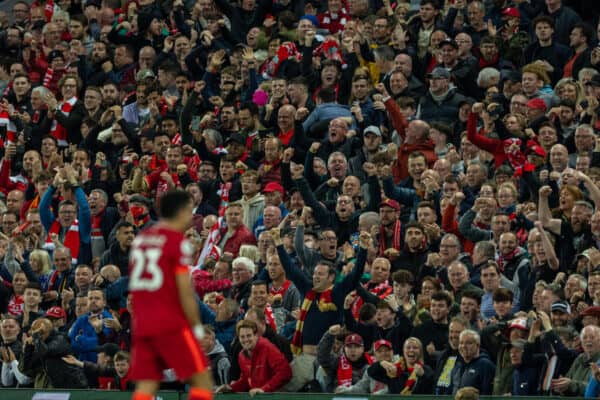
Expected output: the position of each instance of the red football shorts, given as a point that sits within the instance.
(180, 350)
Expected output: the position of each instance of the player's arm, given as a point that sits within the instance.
(188, 300)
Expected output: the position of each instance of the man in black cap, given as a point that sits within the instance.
(560, 314)
(463, 74)
(441, 102)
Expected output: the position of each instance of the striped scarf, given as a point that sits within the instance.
(344, 370)
(412, 376)
(57, 130)
(71, 239)
(11, 129)
(325, 304)
(223, 192)
(211, 245)
(269, 318)
(381, 290)
(396, 240)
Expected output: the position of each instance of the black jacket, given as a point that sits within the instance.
(45, 356)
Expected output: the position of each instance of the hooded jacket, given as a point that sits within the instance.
(219, 364)
(478, 373)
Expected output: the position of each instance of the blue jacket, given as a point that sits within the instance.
(324, 112)
(478, 373)
(224, 330)
(84, 338)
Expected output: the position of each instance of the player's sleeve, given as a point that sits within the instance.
(182, 253)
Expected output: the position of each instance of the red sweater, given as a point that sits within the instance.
(427, 147)
(267, 369)
(494, 146)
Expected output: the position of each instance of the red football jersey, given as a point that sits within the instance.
(156, 256)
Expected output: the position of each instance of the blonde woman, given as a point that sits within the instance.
(40, 265)
(409, 375)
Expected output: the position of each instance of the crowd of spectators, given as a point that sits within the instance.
(389, 196)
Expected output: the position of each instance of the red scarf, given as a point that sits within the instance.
(11, 128)
(282, 290)
(57, 130)
(325, 304)
(381, 290)
(269, 318)
(16, 306)
(71, 239)
(502, 259)
(344, 371)
(396, 240)
(483, 63)
(223, 192)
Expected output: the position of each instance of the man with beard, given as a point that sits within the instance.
(94, 71)
(434, 333)
(574, 235)
(118, 253)
(372, 140)
(513, 262)
(415, 250)
(283, 294)
(88, 328)
(104, 219)
(441, 102)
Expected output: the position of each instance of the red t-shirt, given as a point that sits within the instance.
(157, 255)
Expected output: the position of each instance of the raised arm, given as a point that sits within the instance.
(291, 271)
(544, 215)
(593, 190)
(553, 261)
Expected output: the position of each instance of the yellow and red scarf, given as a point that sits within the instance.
(325, 304)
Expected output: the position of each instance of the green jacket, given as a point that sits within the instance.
(579, 373)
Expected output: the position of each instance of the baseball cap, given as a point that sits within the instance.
(561, 306)
(439, 72)
(138, 198)
(538, 104)
(354, 339)
(54, 54)
(56, 312)
(382, 342)
(273, 187)
(449, 41)
(519, 323)
(513, 76)
(236, 137)
(143, 74)
(593, 311)
(372, 129)
(595, 81)
(511, 12)
(110, 349)
(390, 203)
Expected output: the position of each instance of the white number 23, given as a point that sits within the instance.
(146, 261)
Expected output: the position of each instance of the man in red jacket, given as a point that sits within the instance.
(263, 367)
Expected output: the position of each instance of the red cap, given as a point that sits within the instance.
(538, 104)
(382, 342)
(354, 339)
(593, 311)
(56, 312)
(390, 203)
(273, 187)
(511, 12)
(519, 323)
